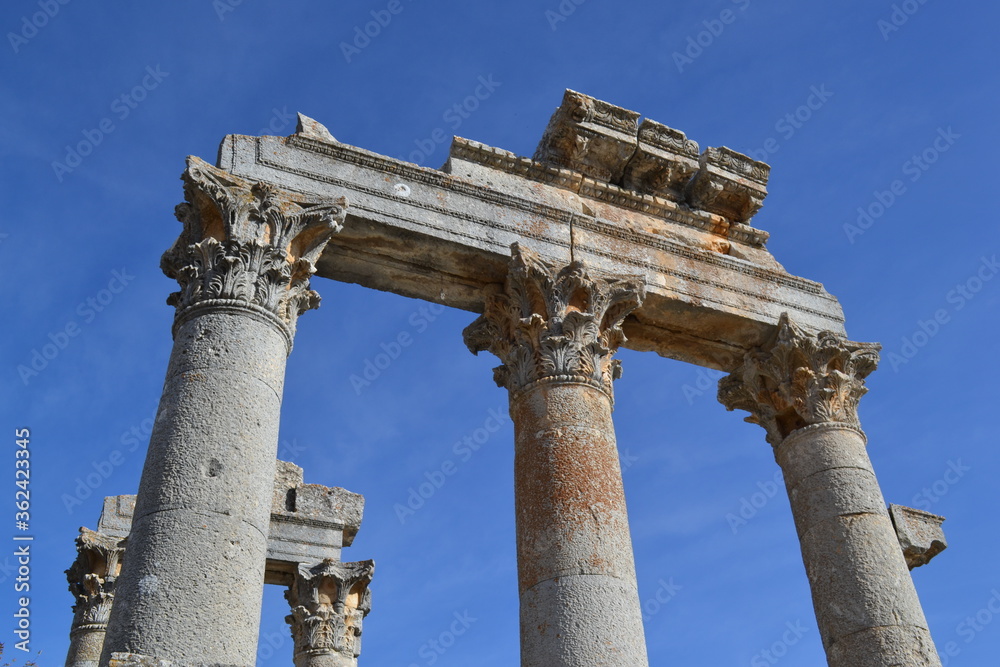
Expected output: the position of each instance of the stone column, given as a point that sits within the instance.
(329, 602)
(190, 590)
(92, 583)
(804, 390)
(555, 332)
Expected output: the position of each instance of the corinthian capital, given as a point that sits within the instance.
(247, 244)
(800, 379)
(92, 579)
(329, 602)
(552, 324)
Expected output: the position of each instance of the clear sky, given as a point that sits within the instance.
(890, 109)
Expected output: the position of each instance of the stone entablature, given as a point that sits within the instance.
(607, 144)
(713, 290)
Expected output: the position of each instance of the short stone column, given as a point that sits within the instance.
(804, 390)
(92, 583)
(555, 332)
(190, 590)
(329, 602)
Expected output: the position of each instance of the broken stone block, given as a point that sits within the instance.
(729, 184)
(589, 136)
(920, 534)
(663, 163)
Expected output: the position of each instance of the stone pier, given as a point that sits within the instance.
(190, 590)
(555, 330)
(804, 389)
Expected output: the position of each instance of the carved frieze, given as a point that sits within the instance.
(92, 579)
(589, 136)
(800, 379)
(729, 184)
(248, 244)
(329, 602)
(551, 324)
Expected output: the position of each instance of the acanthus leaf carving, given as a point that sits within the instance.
(555, 324)
(92, 579)
(248, 243)
(328, 603)
(800, 379)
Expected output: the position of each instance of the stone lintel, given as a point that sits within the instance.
(920, 534)
(713, 290)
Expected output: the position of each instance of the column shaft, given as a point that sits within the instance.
(556, 331)
(576, 573)
(866, 605)
(193, 580)
(191, 587)
(804, 390)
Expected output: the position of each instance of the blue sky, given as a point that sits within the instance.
(883, 88)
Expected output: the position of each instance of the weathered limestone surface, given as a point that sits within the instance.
(555, 332)
(190, 590)
(804, 390)
(309, 523)
(677, 218)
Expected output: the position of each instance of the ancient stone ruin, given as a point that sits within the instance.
(619, 231)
